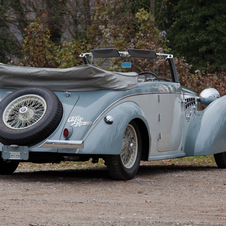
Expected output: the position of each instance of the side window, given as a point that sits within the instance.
(162, 69)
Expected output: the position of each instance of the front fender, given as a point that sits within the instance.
(107, 139)
(206, 132)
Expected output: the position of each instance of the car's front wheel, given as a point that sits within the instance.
(125, 165)
(220, 159)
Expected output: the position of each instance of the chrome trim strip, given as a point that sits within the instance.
(164, 55)
(63, 144)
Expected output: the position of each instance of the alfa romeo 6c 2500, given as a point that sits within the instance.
(113, 112)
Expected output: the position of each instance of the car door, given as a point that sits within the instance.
(169, 111)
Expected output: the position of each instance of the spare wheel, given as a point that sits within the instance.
(28, 116)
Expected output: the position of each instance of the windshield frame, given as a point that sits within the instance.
(133, 53)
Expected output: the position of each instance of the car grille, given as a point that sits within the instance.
(189, 102)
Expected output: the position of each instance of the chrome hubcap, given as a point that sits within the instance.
(23, 110)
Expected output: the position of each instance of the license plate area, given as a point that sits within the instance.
(15, 152)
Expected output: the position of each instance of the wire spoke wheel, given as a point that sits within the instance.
(24, 112)
(129, 147)
(29, 115)
(125, 165)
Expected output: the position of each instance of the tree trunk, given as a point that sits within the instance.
(152, 8)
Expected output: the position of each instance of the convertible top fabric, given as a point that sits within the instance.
(80, 78)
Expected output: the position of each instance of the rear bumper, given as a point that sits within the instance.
(63, 144)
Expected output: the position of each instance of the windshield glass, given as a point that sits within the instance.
(159, 66)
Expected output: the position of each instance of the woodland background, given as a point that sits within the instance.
(52, 33)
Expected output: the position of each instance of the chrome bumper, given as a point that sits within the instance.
(63, 144)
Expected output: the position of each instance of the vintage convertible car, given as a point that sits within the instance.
(74, 114)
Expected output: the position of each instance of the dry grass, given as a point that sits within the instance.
(189, 161)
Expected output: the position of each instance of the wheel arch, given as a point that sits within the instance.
(206, 131)
(145, 138)
(112, 135)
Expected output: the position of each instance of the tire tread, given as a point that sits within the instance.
(220, 159)
(113, 167)
(7, 167)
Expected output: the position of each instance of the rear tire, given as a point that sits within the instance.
(220, 159)
(7, 166)
(126, 165)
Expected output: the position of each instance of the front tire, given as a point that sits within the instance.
(220, 159)
(125, 165)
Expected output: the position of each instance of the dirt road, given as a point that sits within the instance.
(158, 195)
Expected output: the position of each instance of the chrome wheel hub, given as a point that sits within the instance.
(129, 147)
(23, 110)
(25, 114)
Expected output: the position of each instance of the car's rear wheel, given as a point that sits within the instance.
(7, 166)
(28, 116)
(125, 165)
(220, 159)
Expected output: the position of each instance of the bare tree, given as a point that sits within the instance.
(152, 7)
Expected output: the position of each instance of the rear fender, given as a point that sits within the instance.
(206, 132)
(107, 138)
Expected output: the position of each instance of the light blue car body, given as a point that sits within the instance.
(167, 114)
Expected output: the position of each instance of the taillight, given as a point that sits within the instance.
(68, 132)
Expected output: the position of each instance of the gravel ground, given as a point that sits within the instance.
(158, 195)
